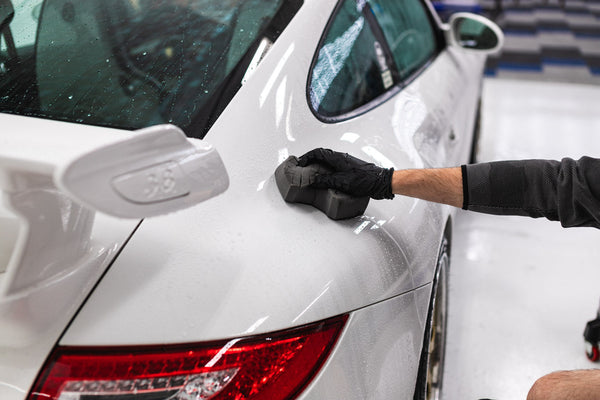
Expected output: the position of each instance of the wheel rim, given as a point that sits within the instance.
(437, 342)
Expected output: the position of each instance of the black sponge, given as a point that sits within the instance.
(294, 183)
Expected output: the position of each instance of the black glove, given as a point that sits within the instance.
(350, 174)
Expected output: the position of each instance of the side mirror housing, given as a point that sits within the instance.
(473, 32)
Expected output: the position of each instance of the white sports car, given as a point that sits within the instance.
(138, 262)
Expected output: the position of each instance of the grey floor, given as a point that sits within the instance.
(544, 40)
(522, 290)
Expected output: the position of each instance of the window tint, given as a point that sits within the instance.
(369, 46)
(18, 23)
(408, 31)
(132, 63)
(350, 69)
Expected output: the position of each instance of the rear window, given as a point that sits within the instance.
(132, 63)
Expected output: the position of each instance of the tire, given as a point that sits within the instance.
(431, 366)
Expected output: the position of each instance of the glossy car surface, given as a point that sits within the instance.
(120, 237)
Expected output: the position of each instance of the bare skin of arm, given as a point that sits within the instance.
(571, 385)
(440, 185)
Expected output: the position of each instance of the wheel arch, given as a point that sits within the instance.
(422, 376)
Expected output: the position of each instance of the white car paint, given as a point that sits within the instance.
(248, 263)
(251, 239)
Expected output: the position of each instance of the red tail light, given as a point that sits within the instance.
(266, 367)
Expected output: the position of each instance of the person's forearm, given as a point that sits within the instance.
(443, 185)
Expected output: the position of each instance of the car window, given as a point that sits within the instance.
(408, 31)
(350, 69)
(133, 63)
(369, 46)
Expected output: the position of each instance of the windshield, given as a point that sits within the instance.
(132, 63)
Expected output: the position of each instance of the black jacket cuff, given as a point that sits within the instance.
(465, 187)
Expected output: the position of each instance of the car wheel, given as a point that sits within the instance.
(431, 369)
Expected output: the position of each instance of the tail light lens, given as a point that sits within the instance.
(266, 367)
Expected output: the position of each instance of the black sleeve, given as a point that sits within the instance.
(567, 191)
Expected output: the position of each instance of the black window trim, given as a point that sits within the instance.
(377, 31)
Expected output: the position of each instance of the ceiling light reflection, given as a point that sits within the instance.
(325, 289)
(379, 158)
(350, 137)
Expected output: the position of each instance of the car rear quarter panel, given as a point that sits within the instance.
(247, 262)
(377, 356)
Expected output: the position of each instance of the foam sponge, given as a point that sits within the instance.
(294, 183)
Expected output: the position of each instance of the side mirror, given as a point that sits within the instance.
(474, 32)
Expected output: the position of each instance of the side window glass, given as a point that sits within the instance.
(408, 31)
(350, 67)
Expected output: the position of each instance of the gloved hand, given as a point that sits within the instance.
(350, 174)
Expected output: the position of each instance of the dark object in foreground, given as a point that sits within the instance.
(294, 183)
(591, 335)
